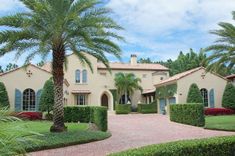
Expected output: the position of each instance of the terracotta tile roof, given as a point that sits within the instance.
(128, 66)
(231, 76)
(120, 66)
(179, 76)
(147, 91)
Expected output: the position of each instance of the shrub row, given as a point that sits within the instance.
(218, 111)
(147, 108)
(221, 146)
(95, 114)
(123, 108)
(191, 114)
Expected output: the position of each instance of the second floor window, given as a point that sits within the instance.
(84, 76)
(77, 76)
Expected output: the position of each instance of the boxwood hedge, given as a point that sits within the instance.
(86, 114)
(221, 146)
(123, 108)
(191, 114)
(147, 108)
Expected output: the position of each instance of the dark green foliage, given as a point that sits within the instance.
(4, 100)
(115, 96)
(95, 114)
(166, 91)
(217, 146)
(191, 114)
(228, 100)
(194, 94)
(100, 117)
(11, 66)
(147, 108)
(123, 108)
(47, 97)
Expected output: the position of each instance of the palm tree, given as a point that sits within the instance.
(56, 27)
(223, 50)
(126, 83)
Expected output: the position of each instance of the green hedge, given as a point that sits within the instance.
(86, 114)
(191, 114)
(221, 146)
(123, 108)
(147, 108)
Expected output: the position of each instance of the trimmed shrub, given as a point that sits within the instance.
(123, 108)
(85, 114)
(191, 114)
(147, 108)
(228, 100)
(4, 100)
(194, 94)
(100, 117)
(218, 111)
(47, 97)
(221, 146)
(29, 115)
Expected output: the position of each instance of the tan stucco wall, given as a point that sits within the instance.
(18, 79)
(209, 82)
(99, 83)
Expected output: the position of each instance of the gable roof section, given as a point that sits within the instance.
(5, 73)
(128, 66)
(184, 74)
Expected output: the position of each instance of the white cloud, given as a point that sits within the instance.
(165, 27)
(9, 5)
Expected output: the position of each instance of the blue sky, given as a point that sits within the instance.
(158, 29)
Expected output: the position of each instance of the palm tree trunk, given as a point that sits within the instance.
(58, 77)
(126, 100)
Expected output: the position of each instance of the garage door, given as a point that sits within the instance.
(172, 100)
(162, 105)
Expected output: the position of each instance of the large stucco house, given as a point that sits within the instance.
(81, 86)
(210, 84)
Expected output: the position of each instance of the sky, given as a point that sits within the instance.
(158, 29)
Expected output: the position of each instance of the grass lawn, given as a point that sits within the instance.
(77, 134)
(226, 122)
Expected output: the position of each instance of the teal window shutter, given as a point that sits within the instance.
(39, 93)
(212, 98)
(18, 100)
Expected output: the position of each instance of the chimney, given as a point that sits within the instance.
(133, 59)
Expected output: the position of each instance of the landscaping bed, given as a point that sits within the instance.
(76, 134)
(225, 122)
(221, 146)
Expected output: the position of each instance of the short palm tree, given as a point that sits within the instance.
(56, 27)
(223, 50)
(126, 83)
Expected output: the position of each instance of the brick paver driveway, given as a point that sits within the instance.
(134, 130)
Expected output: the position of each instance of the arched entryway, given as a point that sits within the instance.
(105, 100)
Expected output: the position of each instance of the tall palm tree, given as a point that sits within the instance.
(56, 27)
(223, 50)
(126, 83)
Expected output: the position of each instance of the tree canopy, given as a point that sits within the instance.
(228, 100)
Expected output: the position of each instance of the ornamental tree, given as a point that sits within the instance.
(194, 94)
(47, 97)
(228, 100)
(4, 100)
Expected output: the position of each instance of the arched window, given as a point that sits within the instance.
(29, 100)
(204, 94)
(84, 76)
(77, 76)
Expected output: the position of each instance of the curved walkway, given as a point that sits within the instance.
(135, 130)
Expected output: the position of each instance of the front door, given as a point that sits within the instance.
(162, 105)
(104, 100)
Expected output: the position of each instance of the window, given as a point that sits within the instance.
(161, 78)
(77, 76)
(29, 100)
(204, 94)
(81, 99)
(84, 76)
